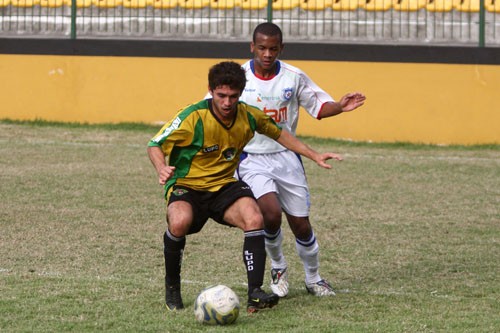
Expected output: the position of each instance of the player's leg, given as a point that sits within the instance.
(180, 215)
(243, 212)
(308, 250)
(294, 198)
(258, 171)
(271, 210)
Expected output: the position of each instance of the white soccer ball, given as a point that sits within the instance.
(217, 305)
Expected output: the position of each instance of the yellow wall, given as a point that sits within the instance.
(429, 103)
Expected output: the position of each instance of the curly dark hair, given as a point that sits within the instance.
(268, 29)
(227, 73)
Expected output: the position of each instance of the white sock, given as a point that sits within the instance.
(274, 250)
(308, 251)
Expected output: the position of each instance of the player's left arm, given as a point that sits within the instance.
(348, 102)
(291, 142)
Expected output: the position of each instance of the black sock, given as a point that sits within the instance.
(254, 257)
(173, 247)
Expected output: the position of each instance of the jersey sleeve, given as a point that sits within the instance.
(177, 132)
(310, 96)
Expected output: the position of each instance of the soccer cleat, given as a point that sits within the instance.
(320, 288)
(258, 299)
(279, 281)
(173, 299)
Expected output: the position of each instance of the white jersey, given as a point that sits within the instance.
(280, 97)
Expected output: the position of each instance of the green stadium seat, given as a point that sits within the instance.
(492, 6)
(376, 5)
(253, 4)
(317, 5)
(408, 5)
(163, 4)
(440, 5)
(285, 4)
(194, 4)
(471, 6)
(25, 3)
(107, 3)
(342, 5)
(224, 4)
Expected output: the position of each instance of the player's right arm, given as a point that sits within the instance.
(157, 157)
(292, 143)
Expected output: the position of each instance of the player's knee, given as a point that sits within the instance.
(254, 222)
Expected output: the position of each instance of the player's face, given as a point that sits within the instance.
(266, 50)
(224, 102)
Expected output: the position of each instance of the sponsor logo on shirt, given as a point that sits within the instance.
(279, 116)
(210, 149)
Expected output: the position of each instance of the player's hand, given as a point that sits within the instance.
(352, 101)
(165, 174)
(322, 158)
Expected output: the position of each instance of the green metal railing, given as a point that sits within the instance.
(412, 22)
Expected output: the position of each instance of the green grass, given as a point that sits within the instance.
(409, 235)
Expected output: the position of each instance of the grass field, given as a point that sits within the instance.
(409, 234)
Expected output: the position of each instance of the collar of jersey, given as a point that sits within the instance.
(278, 68)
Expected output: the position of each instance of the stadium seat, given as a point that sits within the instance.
(25, 3)
(285, 4)
(79, 3)
(439, 5)
(107, 3)
(194, 4)
(135, 4)
(52, 3)
(408, 5)
(4, 3)
(253, 4)
(315, 4)
(376, 5)
(471, 6)
(163, 4)
(224, 4)
(345, 4)
(492, 6)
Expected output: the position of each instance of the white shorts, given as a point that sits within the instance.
(282, 173)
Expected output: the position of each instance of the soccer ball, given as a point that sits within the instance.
(217, 305)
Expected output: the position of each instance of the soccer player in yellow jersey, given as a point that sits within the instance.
(203, 144)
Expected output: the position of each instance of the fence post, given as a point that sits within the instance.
(482, 23)
(73, 19)
(269, 10)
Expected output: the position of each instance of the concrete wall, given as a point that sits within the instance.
(414, 102)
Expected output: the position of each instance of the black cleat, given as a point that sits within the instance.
(173, 299)
(258, 299)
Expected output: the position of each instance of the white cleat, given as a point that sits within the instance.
(320, 288)
(279, 281)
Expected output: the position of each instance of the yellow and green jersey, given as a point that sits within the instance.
(204, 151)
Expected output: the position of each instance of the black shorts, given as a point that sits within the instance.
(209, 204)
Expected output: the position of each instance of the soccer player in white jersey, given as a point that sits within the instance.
(275, 174)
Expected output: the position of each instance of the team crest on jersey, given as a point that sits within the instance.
(286, 94)
(229, 153)
(179, 191)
